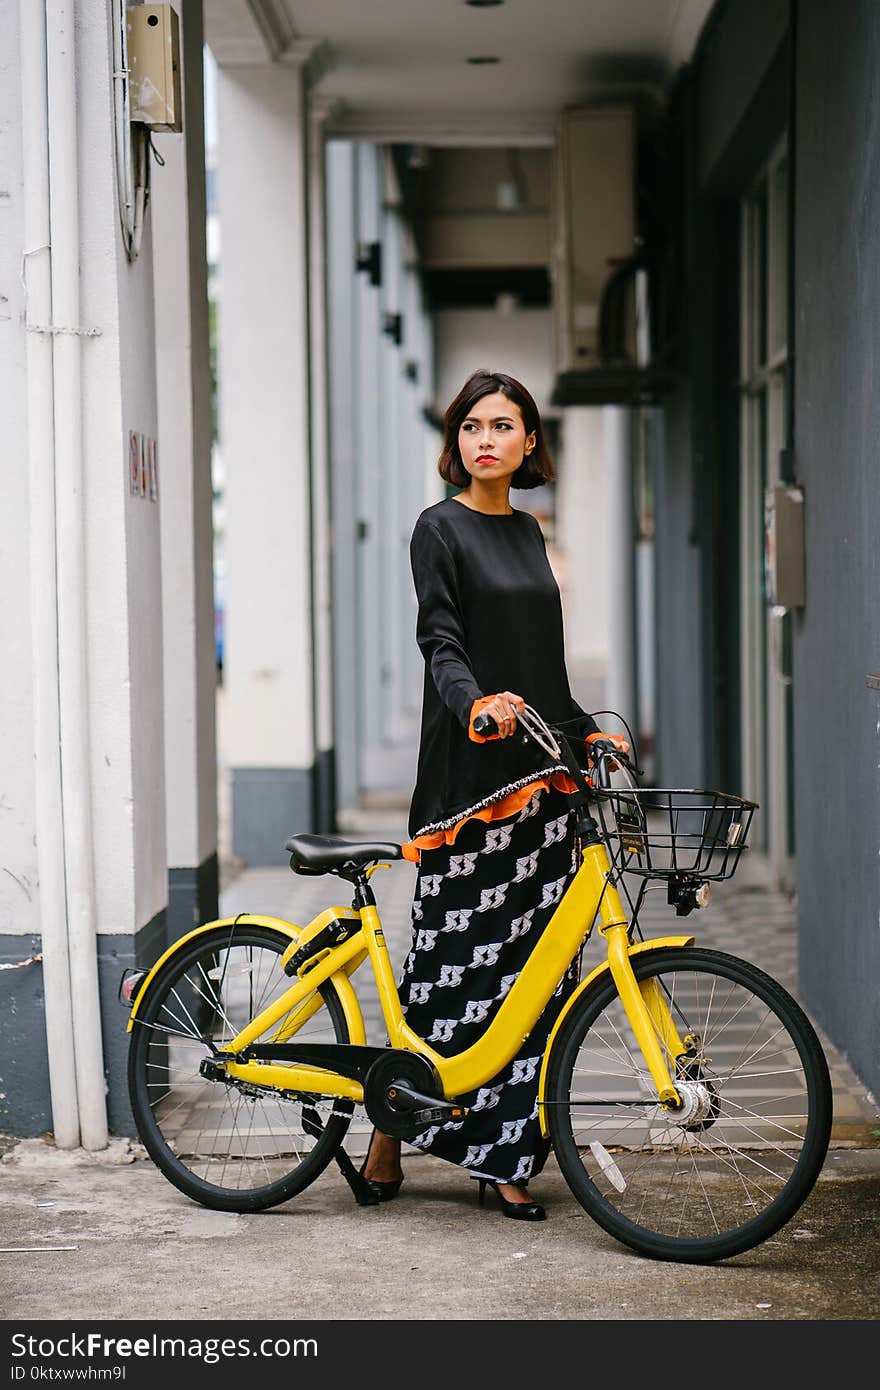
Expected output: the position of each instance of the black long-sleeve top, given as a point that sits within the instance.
(489, 619)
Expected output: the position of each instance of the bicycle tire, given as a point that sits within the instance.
(193, 1128)
(674, 1191)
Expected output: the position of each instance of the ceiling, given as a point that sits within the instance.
(398, 70)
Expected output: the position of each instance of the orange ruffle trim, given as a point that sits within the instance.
(499, 810)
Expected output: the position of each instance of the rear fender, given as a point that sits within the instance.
(339, 980)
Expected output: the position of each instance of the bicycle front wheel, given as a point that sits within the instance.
(230, 1145)
(735, 1164)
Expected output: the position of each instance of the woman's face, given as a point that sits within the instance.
(492, 439)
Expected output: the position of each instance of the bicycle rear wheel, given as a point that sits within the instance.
(229, 1145)
(706, 1185)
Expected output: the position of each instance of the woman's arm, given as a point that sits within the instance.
(439, 626)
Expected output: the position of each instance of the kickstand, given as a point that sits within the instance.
(363, 1195)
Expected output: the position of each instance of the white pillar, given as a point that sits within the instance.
(393, 459)
(39, 548)
(184, 402)
(325, 785)
(370, 432)
(341, 292)
(123, 563)
(98, 872)
(379, 477)
(583, 542)
(264, 439)
(620, 692)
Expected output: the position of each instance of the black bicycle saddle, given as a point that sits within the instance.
(326, 853)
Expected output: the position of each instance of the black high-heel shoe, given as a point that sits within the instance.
(517, 1211)
(383, 1190)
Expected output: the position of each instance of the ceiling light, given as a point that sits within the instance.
(483, 4)
(479, 60)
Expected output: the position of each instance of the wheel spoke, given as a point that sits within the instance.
(745, 1148)
(228, 1143)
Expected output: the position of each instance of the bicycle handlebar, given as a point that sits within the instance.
(599, 752)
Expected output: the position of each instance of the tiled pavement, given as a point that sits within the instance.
(746, 918)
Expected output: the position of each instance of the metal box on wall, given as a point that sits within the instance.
(153, 44)
(593, 227)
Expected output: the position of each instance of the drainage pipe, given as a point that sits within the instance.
(71, 572)
(37, 315)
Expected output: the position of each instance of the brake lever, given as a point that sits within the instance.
(534, 726)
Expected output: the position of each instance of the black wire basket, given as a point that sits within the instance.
(667, 833)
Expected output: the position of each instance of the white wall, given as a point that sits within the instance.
(123, 555)
(122, 534)
(184, 405)
(516, 341)
(19, 893)
(82, 804)
(264, 418)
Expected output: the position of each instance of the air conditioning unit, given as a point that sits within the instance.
(598, 286)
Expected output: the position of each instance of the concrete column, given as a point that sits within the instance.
(107, 667)
(370, 430)
(341, 295)
(379, 476)
(621, 686)
(322, 588)
(32, 884)
(583, 542)
(185, 429)
(393, 453)
(418, 435)
(391, 482)
(264, 437)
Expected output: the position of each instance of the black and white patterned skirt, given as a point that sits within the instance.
(480, 906)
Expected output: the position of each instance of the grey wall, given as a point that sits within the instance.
(679, 656)
(837, 412)
(735, 54)
(729, 108)
(25, 1100)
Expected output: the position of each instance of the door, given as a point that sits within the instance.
(766, 667)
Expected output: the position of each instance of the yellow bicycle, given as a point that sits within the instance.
(685, 1093)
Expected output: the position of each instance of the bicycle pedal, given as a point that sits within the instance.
(423, 1110)
(438, 1115)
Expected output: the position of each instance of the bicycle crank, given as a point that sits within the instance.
(403, 1096)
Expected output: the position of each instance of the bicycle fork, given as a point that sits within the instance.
(645, 1007)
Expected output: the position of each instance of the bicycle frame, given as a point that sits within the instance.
(590, 898)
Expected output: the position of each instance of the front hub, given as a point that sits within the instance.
(699, 1105)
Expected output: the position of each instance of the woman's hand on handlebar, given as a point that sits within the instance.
(601, 748)
(502, 709)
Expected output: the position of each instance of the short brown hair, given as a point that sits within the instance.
(535, 469)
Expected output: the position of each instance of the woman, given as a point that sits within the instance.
(489, 822)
